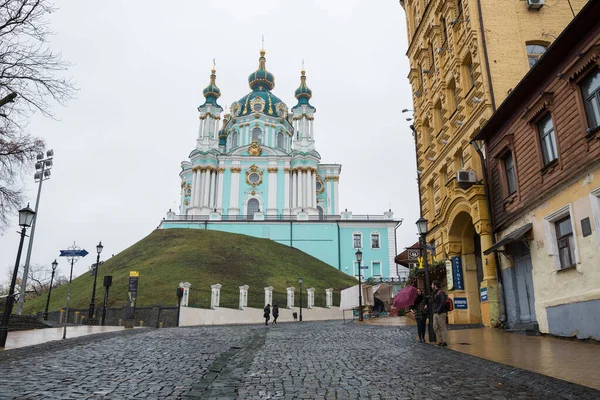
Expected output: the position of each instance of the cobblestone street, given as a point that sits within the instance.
(306, 361)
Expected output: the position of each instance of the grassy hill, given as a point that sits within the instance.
(202, 257)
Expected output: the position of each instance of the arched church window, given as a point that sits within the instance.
(234, 140)
(257, 135)
(253, 206)
(319, 186)
(321, 212)
(280, 140)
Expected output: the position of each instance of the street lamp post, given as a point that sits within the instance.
(54, 265)
(91, 320)
(26, 216)
(42, 173)
(360, 307)
(422, 229)
(107, 283)
(300, 282)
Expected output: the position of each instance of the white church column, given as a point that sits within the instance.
(303, 188)
(286, 189)
(313, 188)
(335, 193)
(219, 198)
(272, 206)
(206, 189)
(201, 129)
(213, 187)
(198, 189)
(193, 198)
(294, 188)
(235, 190)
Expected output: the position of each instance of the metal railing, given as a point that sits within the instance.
(278, 217)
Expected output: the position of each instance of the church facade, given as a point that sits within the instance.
(256, 171)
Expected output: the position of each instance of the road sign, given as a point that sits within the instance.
(364, 267)
(73, 253)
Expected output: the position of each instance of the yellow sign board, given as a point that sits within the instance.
(134, 273)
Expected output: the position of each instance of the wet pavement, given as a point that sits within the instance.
(570, 360)
(18, 339)
(308, 360)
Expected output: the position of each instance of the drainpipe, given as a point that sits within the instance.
(485, 56)
(291, 233)
(339, 247)
(486, 180)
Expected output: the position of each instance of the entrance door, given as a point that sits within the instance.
(525, 298)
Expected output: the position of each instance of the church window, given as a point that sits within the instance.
(188, 192)
(234, 140)
(357, 240)
(257, 107)
(374, 240)
(254, 177)
(253, 207)
(257, 135)
(319, 186)
(321, 212)
(280, 142)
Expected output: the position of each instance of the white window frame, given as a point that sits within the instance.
(355, 268)
(595, 203)
(378, 239)
(373, 268)
(246, 205)
(551, 239)
(361, 240)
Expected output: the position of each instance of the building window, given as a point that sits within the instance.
(357, 240)
(509, 169)
(444, 29)
(565, 241)
(280, 140)
(257, 135)
(459, 7)
(590, 87)
(534, 52)
(437, 116)
(547, 139)
(432, 57)
(376, 268)
(253, 207)
(234, 140)
(321, 212)
(469, 69)
(453, 96)
(375, 240)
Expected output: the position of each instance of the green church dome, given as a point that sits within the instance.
(261, 79)
(260, 101)
(303, 92)
(212, 91)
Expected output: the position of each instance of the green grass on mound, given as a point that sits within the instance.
(202, 257)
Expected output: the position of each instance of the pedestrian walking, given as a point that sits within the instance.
(275, 314)
(419, 308)
(440, 312)
(267, 313)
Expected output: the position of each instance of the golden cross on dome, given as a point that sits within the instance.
(214, 63)
(263, 42)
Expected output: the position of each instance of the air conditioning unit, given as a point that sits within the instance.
(464, 177)
(535, 4)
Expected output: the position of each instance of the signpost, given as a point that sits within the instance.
(131, 299)
(414, 254)
(73, 254)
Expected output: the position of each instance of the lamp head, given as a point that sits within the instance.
(54, 265)
(422, 226)
(300, 281)
(26, 216)
(99, 248)
(359, 256)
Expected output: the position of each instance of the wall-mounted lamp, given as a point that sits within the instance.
(476, 100)
(408, 119)
(406, 110)
(425, 71)
(458, 122)
(442, 141)
(431, 159)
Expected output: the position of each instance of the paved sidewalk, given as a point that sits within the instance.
(18, 339)
(568, 360)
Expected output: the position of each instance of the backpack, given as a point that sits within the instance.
(449, 305)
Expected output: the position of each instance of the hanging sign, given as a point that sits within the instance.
(449, 275)
(131, 299)
(457, 273)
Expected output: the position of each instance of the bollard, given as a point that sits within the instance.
(120, 322)
(82, 320)
(60, 318)
(160, 325)
(76, 317)
(141, 322)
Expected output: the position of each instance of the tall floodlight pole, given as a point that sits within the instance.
(42, 166)
(73, 254)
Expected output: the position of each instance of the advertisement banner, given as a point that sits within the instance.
(457, 273)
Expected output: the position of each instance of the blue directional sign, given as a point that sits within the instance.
(364, 267)
(73, 253)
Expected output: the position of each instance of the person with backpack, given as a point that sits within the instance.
(440, 312)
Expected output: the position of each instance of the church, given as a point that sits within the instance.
(255, 171)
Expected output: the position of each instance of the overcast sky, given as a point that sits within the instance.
(141, 67)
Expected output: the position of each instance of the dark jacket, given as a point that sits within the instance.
(419, 306)
(439, 301)
(267, 311)
(276, 310)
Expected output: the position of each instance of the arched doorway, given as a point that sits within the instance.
(466, 274)
(253, 206)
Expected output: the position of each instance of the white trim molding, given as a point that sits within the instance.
(595, 203)
(550, 230)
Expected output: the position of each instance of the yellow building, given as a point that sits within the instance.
(465, 58)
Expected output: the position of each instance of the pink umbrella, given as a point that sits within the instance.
(405, 297)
